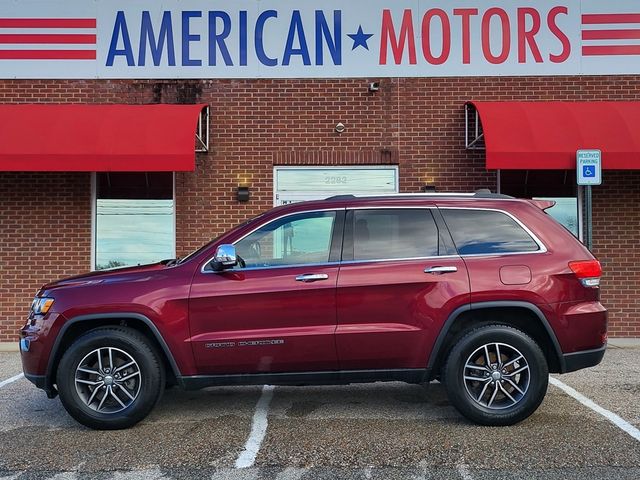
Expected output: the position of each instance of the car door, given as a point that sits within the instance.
(277, 313)
(399, 280)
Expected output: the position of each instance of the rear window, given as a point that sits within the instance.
(477, 232)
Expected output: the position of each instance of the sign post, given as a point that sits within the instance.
(588, 173)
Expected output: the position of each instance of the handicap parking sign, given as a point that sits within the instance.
(589, 167)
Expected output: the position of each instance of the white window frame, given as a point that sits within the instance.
(94, 199)
(332, 167)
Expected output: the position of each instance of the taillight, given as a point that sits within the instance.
(587, 271)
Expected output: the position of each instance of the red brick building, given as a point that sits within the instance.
(415, 125)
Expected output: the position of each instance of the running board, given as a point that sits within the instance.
(338, 377)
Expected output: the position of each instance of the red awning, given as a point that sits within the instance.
(70, 137)
(546, 135)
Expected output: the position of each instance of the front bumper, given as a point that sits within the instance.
(36, 340)
(584, 359)
(40, 381)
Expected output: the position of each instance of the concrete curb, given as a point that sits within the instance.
(624, 342)
(9, 346)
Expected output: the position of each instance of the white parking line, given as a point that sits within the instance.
(612, 417)
(258, 429)
(11, 380)
(463, 470)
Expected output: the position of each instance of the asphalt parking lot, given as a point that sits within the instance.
(377, 431)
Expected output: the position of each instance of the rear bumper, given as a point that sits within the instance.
(584, 359)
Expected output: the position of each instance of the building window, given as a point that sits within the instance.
(134, 219)
(565, 212)
(557, 185)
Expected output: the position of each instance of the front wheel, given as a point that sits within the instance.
(496, 375)
(110, 378)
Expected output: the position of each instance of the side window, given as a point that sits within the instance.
(294, 240)
(393, 233)
(487, 232)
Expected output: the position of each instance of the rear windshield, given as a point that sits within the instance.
(477, 232)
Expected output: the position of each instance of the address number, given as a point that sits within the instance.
(335, 180)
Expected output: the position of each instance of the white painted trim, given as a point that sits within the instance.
(580, 200)
(92, 265)
(175, 208)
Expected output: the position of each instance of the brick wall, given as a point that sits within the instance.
(616, 236)
(256, 124)
(45, 233)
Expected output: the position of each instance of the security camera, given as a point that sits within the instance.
(374, 86)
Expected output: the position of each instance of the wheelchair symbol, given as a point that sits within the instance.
(588, 171)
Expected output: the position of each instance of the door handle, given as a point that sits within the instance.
(440, 270)
(312, 277)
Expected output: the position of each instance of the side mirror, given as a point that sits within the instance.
(226, 256)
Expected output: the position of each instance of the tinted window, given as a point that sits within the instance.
(388, 234)
(294, 240)
(484, 232)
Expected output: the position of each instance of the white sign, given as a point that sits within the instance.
(589, 167)
(305, 39)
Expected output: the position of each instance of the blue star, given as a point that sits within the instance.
(360, 38)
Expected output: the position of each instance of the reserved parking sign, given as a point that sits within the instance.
(589, 167)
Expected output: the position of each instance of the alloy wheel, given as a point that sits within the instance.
(108, 380)
(496, 376)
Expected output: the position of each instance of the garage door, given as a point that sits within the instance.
(298, 184)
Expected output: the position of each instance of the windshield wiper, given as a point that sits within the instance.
(171, 263)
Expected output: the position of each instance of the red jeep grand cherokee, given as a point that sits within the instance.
(484, 292)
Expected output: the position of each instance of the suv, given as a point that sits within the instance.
(484, 292)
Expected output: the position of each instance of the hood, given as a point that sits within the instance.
(120, 274)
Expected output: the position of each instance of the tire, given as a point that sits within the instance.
(113, 396)
(524, 380)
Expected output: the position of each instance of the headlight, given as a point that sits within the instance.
(41, 305)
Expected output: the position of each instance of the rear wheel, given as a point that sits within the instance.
(496, 375)
(110, 378)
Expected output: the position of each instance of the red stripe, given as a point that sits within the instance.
(594, 18)
(47, 54)
(611, 50)
(47, 23)
(53, 38)
(610, 34)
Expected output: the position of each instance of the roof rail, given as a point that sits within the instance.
(481, 193)
(341, 197)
